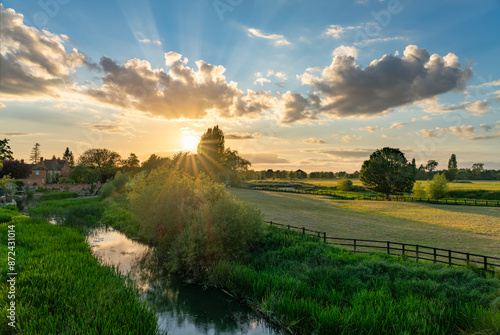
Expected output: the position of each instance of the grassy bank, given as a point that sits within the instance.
(62, 289)
(313, 288)
(467, 229)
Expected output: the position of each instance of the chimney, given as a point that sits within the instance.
(41, 159)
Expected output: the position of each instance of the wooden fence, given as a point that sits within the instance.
(488, 203)
(414, 251)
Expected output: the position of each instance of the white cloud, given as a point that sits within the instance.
(348, 90)
(369, 129)
(34, 63)
(148, 41)
(314, 141)
(2, 105)
(279, 40)
(397, 125)
(345, 51)
(261, 81)
(379, 40)
(349, 139)
(241, 136)
(336, 30)
(181, 92)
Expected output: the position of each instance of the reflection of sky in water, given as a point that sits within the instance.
(182, 309)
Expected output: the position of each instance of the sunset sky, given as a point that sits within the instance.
(316, 85)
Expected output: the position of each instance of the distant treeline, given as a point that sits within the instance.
(297, 174)
(462, 174)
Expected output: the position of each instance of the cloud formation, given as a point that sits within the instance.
(264, 158)
(34, 63)
(397, 125)
(278, 40)
(314, 141)
(180, 92)
(336, 30)
(241, 136)
(348, 90)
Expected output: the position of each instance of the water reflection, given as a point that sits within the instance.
(182, 309)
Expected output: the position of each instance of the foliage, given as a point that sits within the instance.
(451, 173)
(68, 156)
(419, 190)
(83, 174)
(58, 196)
(431, 165)
(107, 190)
(438, 187)
(388, 172)
(314, 288)
(220, 163)
(194, 223)
(35, 154)
(131, 164)
(105, 161)
(5, 151)
(15, 169)
(117, 184)
(61, 287)
(345, 185)
(153, 162)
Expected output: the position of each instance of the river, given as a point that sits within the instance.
(182, 309)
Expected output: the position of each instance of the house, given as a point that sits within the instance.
(46, 171)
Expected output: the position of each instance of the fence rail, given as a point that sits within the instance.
(465, 202)
(414, 251)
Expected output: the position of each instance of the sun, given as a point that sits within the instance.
(189, 143)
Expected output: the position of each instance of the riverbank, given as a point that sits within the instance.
(61, 288)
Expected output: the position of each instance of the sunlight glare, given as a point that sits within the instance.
(189, 143)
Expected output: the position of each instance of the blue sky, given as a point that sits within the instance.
(316, 85)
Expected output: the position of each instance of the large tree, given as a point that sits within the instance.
(68, 156)
(104, 160)
(5, 150)
(431, 165)
(451, 173)
(15, 169)
(36, 154)
(216, 160)
(388, 172)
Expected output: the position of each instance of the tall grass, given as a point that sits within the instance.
(313, 288)
(58, 196)
(62, 289)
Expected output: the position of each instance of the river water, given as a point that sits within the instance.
(182, 309)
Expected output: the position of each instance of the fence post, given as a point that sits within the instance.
(468, 258)
(449, 257)
(388, 248)
(288, 227)
(403, 250)
(485, 263)
(324, 237)
(416, 253)
(435, 255)
(354, 246)
(303, 230)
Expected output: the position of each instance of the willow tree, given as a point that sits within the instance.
(388, 172)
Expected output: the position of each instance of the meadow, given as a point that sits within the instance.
(460, 228)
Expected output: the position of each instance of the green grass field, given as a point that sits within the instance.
(460, 228)
(486, 185)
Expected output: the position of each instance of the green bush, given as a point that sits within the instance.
(419, 190)
(438, 187)
(58, 196)
(345, 185)
(107, 190)
(195, 223)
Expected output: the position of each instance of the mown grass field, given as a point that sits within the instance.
(460, 228)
